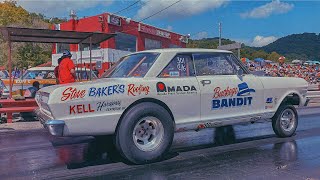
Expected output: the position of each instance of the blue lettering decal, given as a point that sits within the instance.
(121, 88)
(249, 99)
(92, 91)
(107, 90)
(239, 101)
(224, 103)
(104, 91)
(115, 89)
(232, 102)
(215, 104)
(110, 90)
(98, 93)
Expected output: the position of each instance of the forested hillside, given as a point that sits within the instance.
(304, 46)
(23, 54)
(248, 52)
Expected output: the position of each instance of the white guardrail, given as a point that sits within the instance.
(314, 95)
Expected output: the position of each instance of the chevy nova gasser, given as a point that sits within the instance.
(147, 96)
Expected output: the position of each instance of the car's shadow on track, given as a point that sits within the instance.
(79, 152)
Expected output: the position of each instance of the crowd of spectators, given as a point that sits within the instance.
(310, 73)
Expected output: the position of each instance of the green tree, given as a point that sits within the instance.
(32, 54)
(23, 54)
(11, 13)
(274, 56)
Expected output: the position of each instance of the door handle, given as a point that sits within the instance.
(204, 82)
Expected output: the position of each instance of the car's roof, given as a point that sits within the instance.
(40, 68)
(186, 50)
(51, 69)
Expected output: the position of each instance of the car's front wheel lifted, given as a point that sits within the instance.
(145, 133)
(285, 121)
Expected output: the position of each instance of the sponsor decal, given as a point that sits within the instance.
(269, 100)
(114, 20)
(72, 93)
(106, 91)
(208, 125)
(109, 106)
(137, 90)
(80, 109)
(25, 81)
(275, 100)
(256, 118)
(162, 89)
(181, 64)
(218, 93)
(153, 31)
(232, 97)
(269, 107)
(174, 74)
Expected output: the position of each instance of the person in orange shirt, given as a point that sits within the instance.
(66, 69)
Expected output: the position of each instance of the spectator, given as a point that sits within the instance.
(66, 69)
(56, 70)
(31, 91)
(309, 73)
(95, 71)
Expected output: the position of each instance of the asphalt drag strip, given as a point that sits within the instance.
(249, 151)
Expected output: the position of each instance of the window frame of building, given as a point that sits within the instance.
(174, 46)
(86, 47)
(150, 40)
(119, 34)
(60, 50)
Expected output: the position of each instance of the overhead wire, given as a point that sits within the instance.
(136, 2)
(154, 14)
(160, 11)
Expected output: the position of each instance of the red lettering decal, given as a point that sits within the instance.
(131, 90)
(90, 110)
(84, 109)
(79, 108)
(137, 90)
(66, 94)
(216, 92)
(72, 111)
(228, 92)
(72, 93)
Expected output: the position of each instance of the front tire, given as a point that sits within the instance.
(285, 121)
(145, 133)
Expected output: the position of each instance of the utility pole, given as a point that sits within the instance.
(219, 33)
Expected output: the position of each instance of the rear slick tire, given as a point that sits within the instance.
(285, 121)
(145, 133)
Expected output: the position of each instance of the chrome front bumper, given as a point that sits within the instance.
(55, 127)
(307, 102)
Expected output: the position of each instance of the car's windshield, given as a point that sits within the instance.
(4, 74)
(85, 74)
(136, 65)
(39, 74)
(49, 74)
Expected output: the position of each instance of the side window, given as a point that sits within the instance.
(215, 64)
(50, 75)
(180, 66)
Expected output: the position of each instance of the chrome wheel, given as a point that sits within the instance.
(287, 120)
(148, 133)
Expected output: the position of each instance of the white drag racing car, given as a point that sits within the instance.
(147, 96)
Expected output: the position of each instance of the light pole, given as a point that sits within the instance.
(219, 33)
